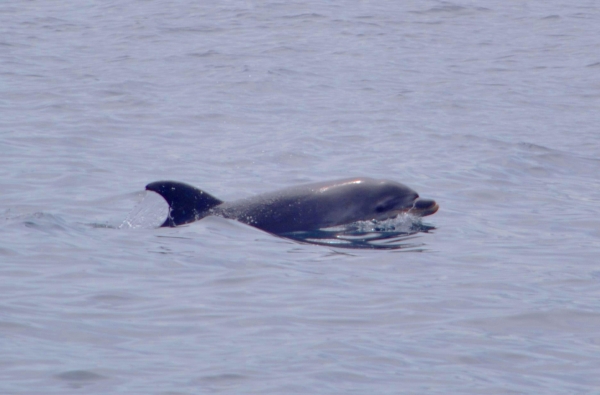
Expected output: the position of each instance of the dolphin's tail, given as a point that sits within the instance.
(186, 203)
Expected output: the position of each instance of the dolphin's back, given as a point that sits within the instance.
(304, 207)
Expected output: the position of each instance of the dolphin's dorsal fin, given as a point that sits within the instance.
(186, 203)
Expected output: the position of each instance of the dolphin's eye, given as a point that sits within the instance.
(385, 206)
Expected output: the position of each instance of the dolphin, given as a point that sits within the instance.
(300, 208)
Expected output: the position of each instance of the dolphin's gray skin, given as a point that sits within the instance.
(302, 208)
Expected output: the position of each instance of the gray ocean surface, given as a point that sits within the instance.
(490, 108)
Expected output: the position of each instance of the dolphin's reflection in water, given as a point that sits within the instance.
(392, 234)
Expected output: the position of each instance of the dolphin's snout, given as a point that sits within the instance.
(424, 207)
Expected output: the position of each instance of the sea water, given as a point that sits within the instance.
(489, 108)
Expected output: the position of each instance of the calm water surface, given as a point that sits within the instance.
(490, 109)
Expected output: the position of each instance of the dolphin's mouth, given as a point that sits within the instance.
(424, 207)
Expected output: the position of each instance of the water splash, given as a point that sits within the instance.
(392, 234)
(149, 213)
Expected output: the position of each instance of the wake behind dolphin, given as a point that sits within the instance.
(302, 208)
